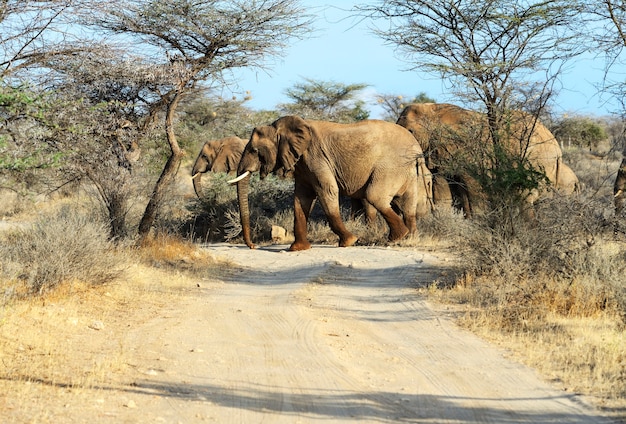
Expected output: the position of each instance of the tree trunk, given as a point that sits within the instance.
(117, 207)
(167, 175)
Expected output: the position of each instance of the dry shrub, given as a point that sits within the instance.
(558, 263)
(595, 173)
(56, 249)
(165, 250)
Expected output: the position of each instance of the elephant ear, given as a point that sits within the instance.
(294, 137)
(219, 162)
(225, 161)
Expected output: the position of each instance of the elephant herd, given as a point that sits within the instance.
(396, 170)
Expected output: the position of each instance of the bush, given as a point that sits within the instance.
(560, 264)
(62, 248)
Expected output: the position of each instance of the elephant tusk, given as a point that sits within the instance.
(239, 178)
(619, 193)
(197, 174)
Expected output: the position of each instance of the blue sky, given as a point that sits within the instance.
(344, 50)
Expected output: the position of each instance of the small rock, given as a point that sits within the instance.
(97, 325)
(130, 404)
(279, 234)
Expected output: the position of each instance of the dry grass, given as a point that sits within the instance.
(172, 252)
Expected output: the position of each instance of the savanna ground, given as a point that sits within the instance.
(179, 331)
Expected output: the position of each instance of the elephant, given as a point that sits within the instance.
(220, 155)
(618, 188)
(446, 131)
(373, 160)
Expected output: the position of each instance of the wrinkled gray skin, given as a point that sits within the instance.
(221, 155)
(371, 160)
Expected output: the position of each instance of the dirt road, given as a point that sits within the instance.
(328, 335)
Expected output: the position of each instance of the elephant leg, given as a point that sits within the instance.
(329, 200)
(397, 227)
(362, 207)
(408, 207)
(370, 212)
(302, 206)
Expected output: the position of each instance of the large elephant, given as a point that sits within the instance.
(372, 160)
(446, 131)
(220, 155)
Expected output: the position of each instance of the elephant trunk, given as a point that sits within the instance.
(243, 183)
(199, 167)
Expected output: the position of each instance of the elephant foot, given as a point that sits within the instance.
(398, 234)
(348, 241)
(299, 245)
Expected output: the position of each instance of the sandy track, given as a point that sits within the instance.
(327, 335)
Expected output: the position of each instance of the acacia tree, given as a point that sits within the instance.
(325, 100)
(501, 55)
(580, 131)
(193, 42)
(208, 116)
(495, 52)
(608, 19)
(97, 121)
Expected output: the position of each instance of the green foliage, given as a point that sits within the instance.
(23, 109)
(325, 100)
(507, 179)
(17, 101)
(580, 131)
